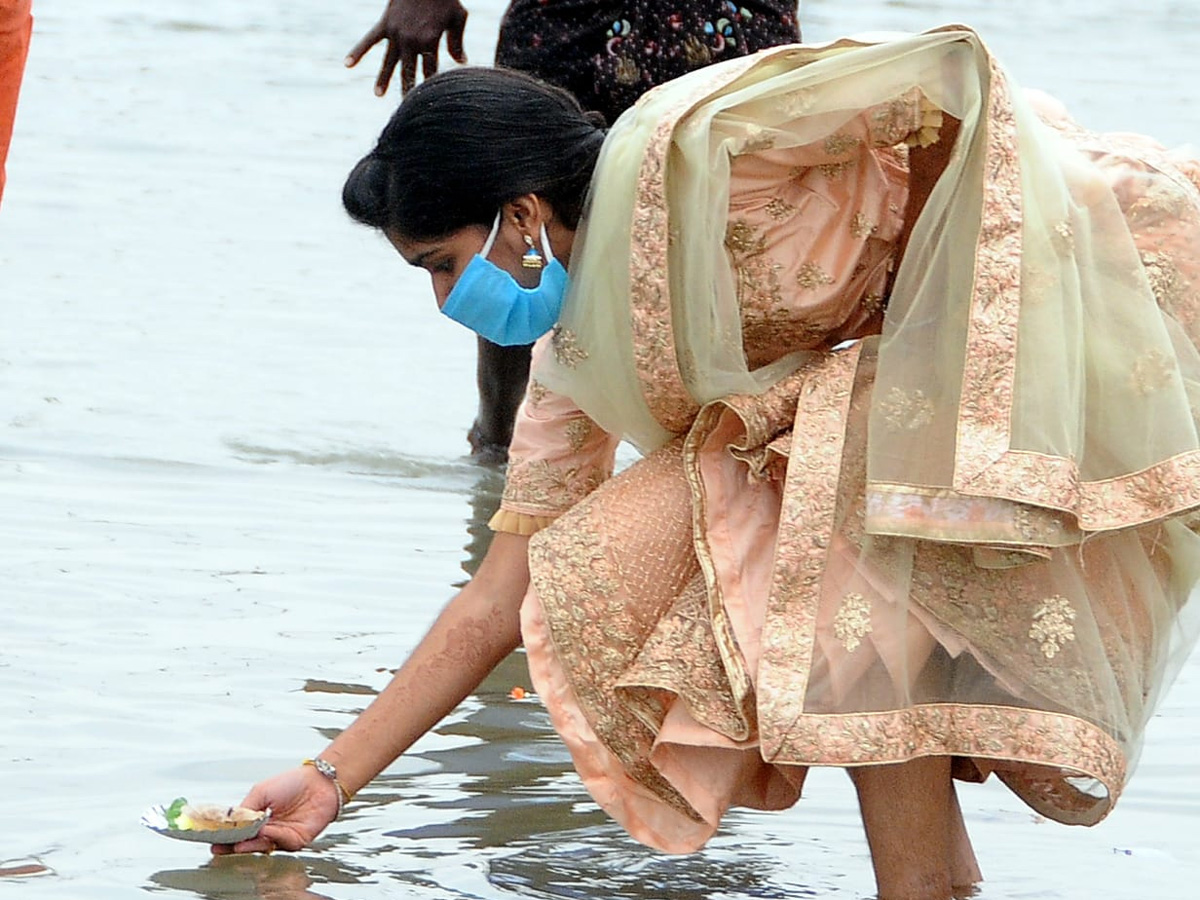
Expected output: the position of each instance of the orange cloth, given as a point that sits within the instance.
(16, 26)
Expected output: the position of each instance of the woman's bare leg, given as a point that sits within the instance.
(919, 845)
(964, 868)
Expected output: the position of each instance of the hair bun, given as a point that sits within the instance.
(367, 192)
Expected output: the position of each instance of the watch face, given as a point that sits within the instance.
(325, 768)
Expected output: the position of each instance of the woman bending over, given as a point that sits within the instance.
(911, 360)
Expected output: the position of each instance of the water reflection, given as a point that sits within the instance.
(266, 877)
(485, 500)
(600, 861)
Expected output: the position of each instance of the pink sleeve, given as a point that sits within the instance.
(557, 457)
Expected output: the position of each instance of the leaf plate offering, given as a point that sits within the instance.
(205, 822)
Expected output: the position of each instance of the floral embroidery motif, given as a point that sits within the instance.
(588, 602)
(853, 621)
(891, 123)
(1038, 284)
(537, 392)
(550, 488)
(906, 410)
(833, 170)
(757, 138)
(862, 227)
(566, 347)
(1065, 235)
(578, 431)
(780, 210)
(743, 241)
(1035, 525)
(811, 276)
(658, 369)
(1166, 281)
(1053, 625)
(770, 326)
(841, 143)
(1152, 372)
(1163, 200)
(796, 104)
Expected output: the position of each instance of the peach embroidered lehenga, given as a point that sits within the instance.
(947, 515)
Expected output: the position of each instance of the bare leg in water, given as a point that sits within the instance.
(919, 844)
(501, 374)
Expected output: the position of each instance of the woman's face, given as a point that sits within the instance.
(445, 258)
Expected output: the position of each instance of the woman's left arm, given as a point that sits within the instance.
(476, 630)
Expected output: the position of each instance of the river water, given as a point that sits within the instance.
(233, 489)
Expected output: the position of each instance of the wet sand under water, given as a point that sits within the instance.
(233, 491)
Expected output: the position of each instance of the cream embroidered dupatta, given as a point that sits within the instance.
(974, 587)
(1024, 395)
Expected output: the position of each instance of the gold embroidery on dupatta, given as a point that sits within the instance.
(1064, 240)
(990, 361)
(853, 621)
(906, 410)
(1062, 742)
(1152, 372)
(796, 104)
(806, 521)
(757, 138)
(566, 347)
(1053, 625)
(652, 329)
(985, 462)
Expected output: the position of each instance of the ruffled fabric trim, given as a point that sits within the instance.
(931, 125)
(509, 522)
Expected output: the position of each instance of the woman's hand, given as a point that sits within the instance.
(302, 802)
(476, 630)
(413, 28)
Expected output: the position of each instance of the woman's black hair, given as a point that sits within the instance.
(467, 141)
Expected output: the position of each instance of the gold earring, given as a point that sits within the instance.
(531, 259)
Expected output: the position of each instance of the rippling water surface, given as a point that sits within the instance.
(233, 490)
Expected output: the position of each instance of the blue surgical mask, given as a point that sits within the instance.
(491, 303)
